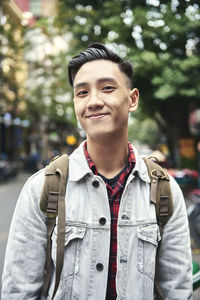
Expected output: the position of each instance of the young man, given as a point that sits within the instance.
(111, 228)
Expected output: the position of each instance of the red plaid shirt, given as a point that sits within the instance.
(114, 195)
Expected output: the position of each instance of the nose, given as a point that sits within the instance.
(95, 100)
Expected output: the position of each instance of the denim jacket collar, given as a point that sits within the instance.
(78, 166)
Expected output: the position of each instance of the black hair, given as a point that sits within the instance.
(97, 51)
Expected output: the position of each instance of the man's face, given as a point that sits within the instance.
(103, 99)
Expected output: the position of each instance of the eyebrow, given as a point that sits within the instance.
(106, 79)
(101, 80)
(80, 84)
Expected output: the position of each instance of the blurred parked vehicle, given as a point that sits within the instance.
(196, 275)
(186, 178)
(8, 170)
(194, 218)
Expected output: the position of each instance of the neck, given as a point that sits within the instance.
(109, 157)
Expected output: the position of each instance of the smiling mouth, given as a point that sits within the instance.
(96, 116)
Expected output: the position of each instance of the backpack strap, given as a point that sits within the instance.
(52, 203)
(161, 196)
(160, 193)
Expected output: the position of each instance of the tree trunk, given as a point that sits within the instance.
(174, 125)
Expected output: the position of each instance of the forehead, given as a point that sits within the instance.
(94, 70)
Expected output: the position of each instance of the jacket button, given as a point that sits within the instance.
(95, 184)
(99, 267)
(102, 221)
(125, 217)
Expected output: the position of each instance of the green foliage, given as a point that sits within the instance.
(155, 37)
(11, 67)
(145, 131)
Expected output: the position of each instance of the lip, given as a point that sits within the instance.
(97, 115)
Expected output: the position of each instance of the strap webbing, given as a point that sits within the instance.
(61, 233)
(160, 195)
(52, 202)
(50, 227)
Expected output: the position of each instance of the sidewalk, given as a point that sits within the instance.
(9, 192)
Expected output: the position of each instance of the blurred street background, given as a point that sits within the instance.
(37, 120)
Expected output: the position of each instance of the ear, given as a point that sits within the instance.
(134, 99)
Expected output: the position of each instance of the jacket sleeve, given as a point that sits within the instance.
(26, 248)
(175, 262)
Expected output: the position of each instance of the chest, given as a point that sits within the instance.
(87, 201)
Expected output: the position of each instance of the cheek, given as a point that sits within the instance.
(78, 109)
(123, 105)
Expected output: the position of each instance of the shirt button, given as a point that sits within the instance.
(102, 221)
(95, 184)
(99, 267)
(125, 217)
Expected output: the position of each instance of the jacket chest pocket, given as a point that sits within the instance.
(148, 238)
(72, 252)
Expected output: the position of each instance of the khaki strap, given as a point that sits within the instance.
(153, 192)
(50, 227)
(61, 232)
(160, 195)
(52, 202)
(52, 184)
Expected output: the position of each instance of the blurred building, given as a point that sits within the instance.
(21, 74)
(12, 78)
(25, 12)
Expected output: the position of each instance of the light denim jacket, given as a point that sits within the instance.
(88, 242)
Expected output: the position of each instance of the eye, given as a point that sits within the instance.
(82, 93)
(108, 88)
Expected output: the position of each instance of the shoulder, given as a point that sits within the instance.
(179, 206)
(29, 198)
(35, 182)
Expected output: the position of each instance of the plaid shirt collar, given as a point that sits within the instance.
(128, 169)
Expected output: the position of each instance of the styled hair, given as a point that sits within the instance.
(97, 51)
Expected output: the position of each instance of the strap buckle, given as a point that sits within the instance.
(158, 175)
(52, 207)
(51, 214)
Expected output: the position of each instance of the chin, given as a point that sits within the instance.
(102, 136)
